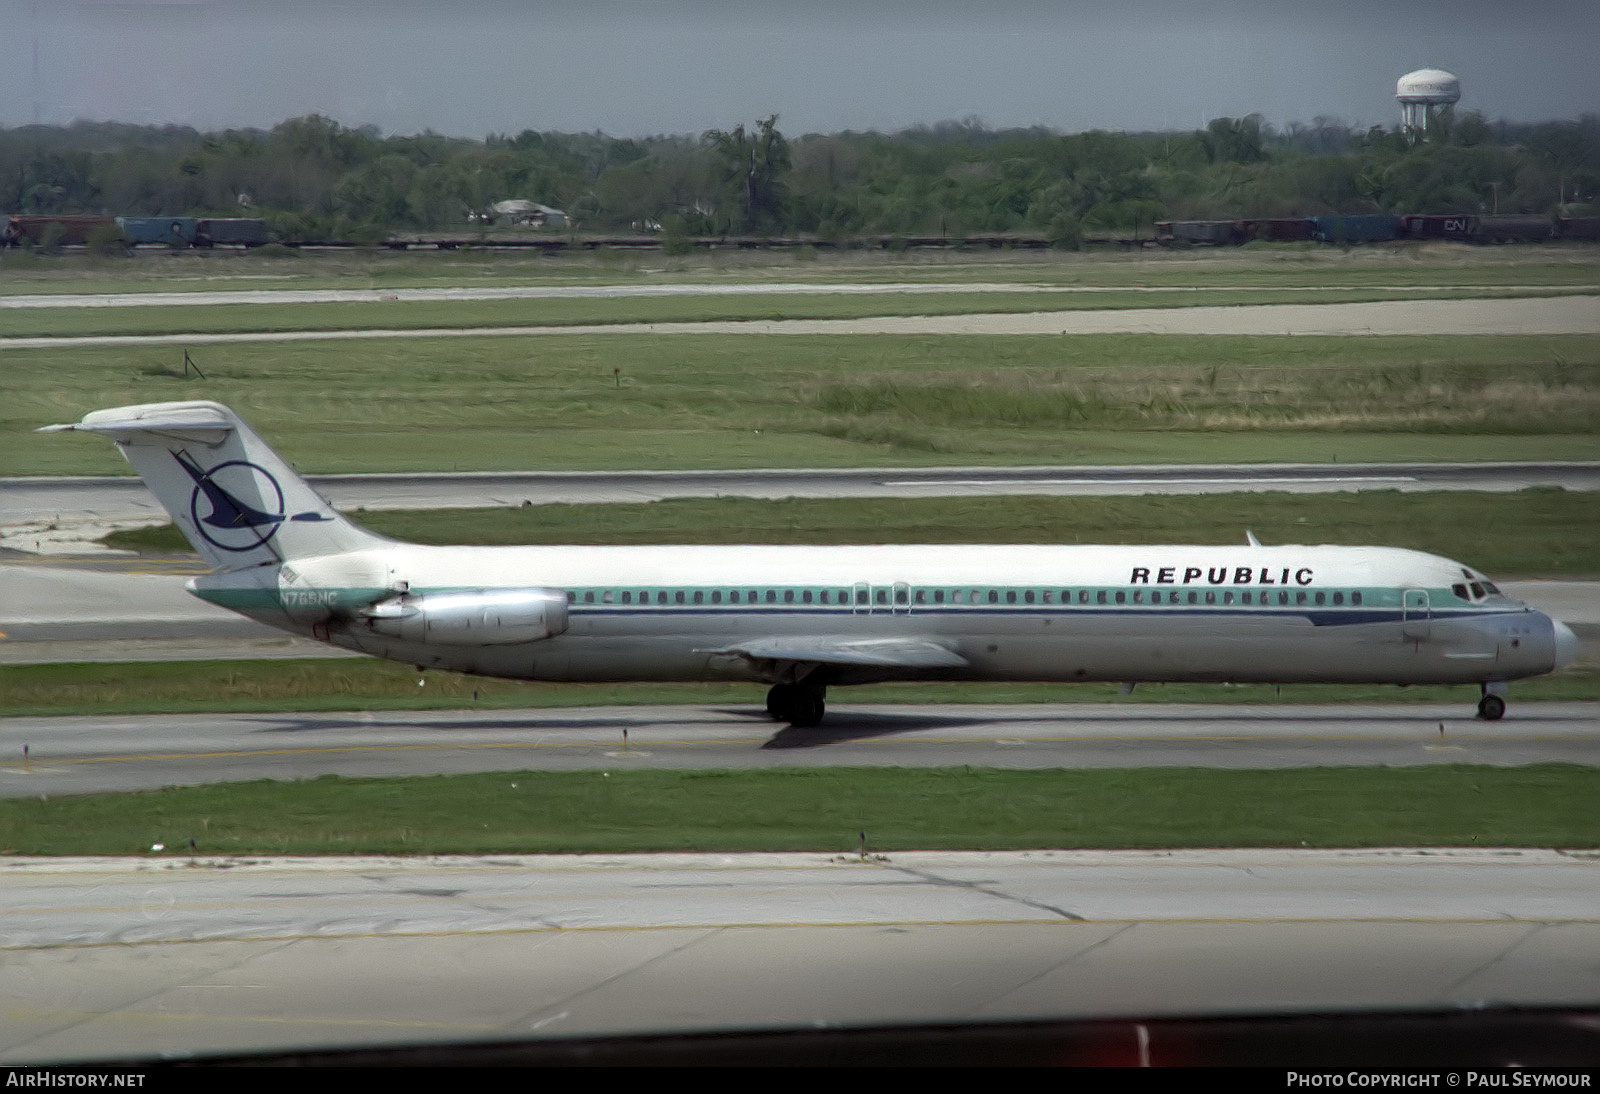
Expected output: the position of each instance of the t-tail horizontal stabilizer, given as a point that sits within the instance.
(236, 500)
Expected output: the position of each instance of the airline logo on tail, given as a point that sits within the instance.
(229, 523)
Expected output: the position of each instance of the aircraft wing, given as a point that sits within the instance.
(904, 653)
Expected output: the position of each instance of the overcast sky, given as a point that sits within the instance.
(641, 67)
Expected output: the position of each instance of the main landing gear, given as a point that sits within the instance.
(1491, 708)
(800, 705)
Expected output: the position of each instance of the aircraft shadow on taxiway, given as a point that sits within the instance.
(847, 725)
(840, 728)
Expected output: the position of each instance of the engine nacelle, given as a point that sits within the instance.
(471, 617)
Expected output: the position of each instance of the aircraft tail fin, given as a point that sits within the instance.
(236, 500)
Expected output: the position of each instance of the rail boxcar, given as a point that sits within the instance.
(1276, 229)
(1215, 232)
(30, 230)
(1514, 229)
(1445, 226)
(237, 231)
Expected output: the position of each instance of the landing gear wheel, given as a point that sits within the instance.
(1491, 708)
(779, 701)
(808, 708)
(796, 704)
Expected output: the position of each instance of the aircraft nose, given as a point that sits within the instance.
(1566, 642)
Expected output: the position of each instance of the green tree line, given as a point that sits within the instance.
(312, 177)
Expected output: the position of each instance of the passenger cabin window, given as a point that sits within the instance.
(699, 597)
(1355, 598)
(1100, 596)
(1338, 598)
(788, 596)
(1321, 598)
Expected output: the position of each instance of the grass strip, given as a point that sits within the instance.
(1260, 265)
(216, 687)
(1546, 805)
(669, 401)
(1538, 532)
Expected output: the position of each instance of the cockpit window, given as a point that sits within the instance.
(1477, 591)
(1492, 588)
(1460, 591)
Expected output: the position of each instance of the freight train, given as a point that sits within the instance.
(34, 231)
(245, 232)
(1380, 227)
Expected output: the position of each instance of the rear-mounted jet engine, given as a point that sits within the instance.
(471, 617)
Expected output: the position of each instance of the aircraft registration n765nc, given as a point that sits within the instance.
(804, 618)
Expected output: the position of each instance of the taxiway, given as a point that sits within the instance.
(93, 754)
(145, 958)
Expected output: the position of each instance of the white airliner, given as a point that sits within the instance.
(803, 618)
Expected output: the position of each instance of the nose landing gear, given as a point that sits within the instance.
(801, 705)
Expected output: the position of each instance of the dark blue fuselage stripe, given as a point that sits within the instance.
(1323, 618)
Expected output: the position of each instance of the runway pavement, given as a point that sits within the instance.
(175, 954)
(1572, 314)
(81, 755)
(33, 501)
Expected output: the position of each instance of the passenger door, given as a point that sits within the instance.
(1416, 614)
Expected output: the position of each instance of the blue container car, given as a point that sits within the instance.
(1356, 228)
(172, 231)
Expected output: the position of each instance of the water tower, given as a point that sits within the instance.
(1422, 95)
